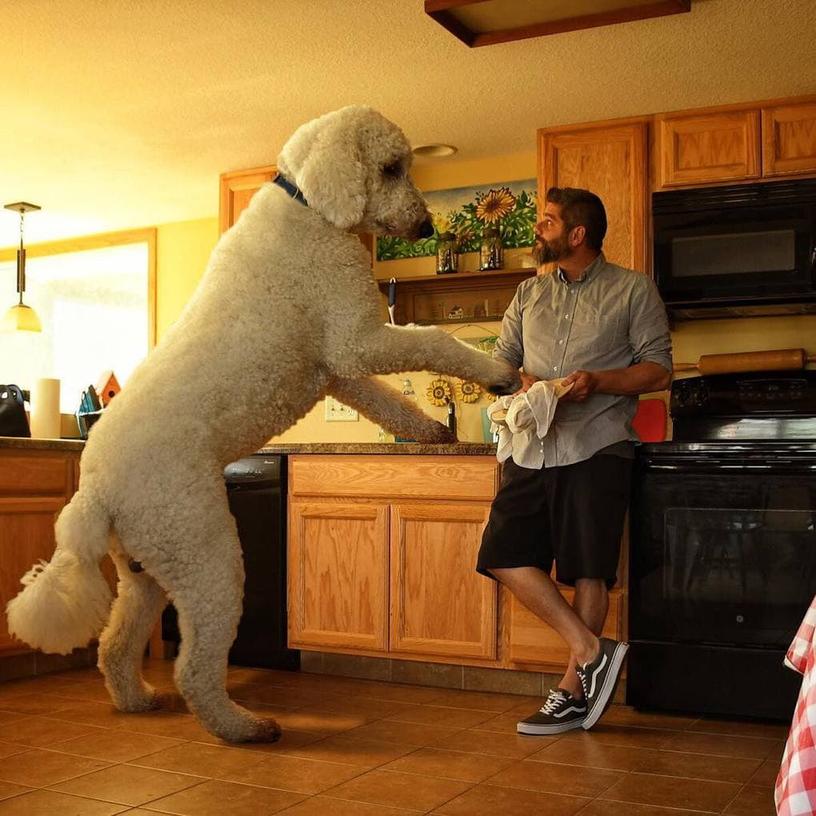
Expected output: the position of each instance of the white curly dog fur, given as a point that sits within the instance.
(286, 313)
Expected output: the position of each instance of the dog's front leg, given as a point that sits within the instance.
(388, 408)
(412, 348)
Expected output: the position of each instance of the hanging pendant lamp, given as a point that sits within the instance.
(21, 317)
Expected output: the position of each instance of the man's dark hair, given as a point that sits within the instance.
(581, 208)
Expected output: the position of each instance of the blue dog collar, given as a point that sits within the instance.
(291, 189)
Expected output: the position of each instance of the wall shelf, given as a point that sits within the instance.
(438, 299)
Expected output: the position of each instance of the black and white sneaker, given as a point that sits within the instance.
(561, 712)
(600, 678)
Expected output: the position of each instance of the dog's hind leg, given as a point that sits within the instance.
(206, 590)
(138, 604)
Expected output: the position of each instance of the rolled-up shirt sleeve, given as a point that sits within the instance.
(509, 346)
(649, 326)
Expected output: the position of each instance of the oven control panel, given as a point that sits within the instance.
(761, 393)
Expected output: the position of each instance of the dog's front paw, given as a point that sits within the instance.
(508, 382)
(435, 433)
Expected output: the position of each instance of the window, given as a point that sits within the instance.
(96, 299)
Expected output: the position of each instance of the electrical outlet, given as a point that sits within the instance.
(337, 412)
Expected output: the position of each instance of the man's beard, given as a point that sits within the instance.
(550, 251)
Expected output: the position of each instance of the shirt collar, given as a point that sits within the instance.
(588, 273)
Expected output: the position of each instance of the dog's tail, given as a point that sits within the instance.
(66, 602)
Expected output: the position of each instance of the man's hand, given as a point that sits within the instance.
(527, 381)
(584, 384)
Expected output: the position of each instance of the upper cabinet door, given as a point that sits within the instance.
(610, 161)
(237, 188)
(707, 147)
(789, 139)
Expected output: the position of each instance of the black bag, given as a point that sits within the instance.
(13, 420)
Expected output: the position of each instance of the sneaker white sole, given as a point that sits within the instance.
(532, 730)
(608, 687)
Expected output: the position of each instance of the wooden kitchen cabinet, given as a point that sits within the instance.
(439, 604)
(237, 188)
(338, 575)
(534, 644)
(706, 147)
(34, 486)
(381, 556)
(789, 139)
(610, 160)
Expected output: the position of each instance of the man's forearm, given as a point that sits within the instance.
(636, 379)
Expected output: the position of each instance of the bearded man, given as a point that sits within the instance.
(605, 328)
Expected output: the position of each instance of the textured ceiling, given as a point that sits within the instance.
(122, 114)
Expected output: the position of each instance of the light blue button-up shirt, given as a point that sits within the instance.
(610, 318)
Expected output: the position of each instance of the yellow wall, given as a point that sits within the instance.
(183, 250)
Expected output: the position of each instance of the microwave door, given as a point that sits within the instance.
(734, 257)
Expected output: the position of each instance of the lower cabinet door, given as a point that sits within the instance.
(535, 642)
(439, 604)
(338, 575)
(26, 536)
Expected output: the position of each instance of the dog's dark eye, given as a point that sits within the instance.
(393, 170)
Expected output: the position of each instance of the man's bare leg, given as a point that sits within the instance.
(591, 603)
(537, 591)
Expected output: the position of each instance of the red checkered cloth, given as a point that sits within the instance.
(795, 791)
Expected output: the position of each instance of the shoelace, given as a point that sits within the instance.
(554, 701)
(583, 678)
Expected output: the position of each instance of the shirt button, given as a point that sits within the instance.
(555, 368)
(566, 317)
(560, 342)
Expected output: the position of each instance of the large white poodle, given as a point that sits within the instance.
(286, 313)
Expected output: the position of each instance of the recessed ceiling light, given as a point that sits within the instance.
(434, 151)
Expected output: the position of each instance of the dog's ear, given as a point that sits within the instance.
(333, 181)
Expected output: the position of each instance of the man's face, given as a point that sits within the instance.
(551, 236)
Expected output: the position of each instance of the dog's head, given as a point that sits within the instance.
(352, 167)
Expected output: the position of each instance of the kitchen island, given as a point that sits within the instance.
(381, 546)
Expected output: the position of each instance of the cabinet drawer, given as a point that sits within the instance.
(408, 476)
(21, 474)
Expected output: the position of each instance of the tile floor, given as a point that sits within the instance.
(363, 748)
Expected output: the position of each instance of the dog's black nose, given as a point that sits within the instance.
(426, 230)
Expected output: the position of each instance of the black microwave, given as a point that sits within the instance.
(738, 250)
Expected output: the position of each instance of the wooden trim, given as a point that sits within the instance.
(439, 10)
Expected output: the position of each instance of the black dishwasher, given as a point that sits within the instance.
(256, 489)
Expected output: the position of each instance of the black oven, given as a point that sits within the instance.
(723, 547)
(736, 250)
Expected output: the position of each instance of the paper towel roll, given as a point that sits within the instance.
(45, 409)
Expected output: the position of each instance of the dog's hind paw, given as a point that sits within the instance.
(267, 730)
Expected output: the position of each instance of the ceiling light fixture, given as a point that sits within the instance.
(487, 22)
(434, 151)
(21, 317)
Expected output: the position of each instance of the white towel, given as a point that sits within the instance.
(524, 419)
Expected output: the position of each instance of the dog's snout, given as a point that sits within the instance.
(426, 229)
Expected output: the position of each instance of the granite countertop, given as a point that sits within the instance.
(393, 448)
(368, 448)
(24, 443)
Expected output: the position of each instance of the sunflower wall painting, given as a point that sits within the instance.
(466, 211)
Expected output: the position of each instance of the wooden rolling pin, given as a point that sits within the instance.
(778, 360)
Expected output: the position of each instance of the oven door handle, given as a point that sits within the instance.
(720, 467)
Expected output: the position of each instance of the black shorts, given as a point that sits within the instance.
(572, 515)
